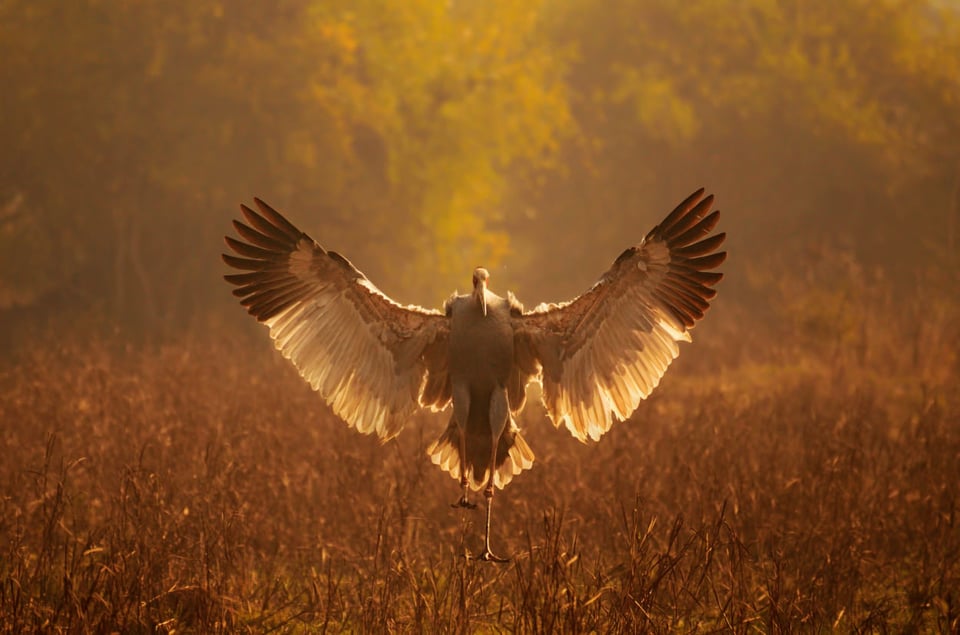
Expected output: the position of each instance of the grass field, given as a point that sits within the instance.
(794, 480)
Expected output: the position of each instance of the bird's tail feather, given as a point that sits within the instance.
(513, 455)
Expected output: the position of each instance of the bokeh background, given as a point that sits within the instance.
(162, 469)
(423, 138)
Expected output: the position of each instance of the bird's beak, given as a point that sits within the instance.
(480, 292)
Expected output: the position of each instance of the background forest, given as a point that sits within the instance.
(163, 469)
(421, 138)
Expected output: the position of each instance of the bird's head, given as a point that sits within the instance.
(480, 277)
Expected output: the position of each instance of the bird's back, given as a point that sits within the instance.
(481, 346)
(481, 357)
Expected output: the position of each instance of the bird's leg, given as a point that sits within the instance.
(487, 555)
(464, 499)
(499, 416)
(461, 410)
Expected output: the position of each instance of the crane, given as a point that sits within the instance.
(376, 362)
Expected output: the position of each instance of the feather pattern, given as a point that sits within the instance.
(376, 361)
(599, 355)
(373, 360)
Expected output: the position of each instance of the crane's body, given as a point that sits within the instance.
(376, 362)
(480, 356)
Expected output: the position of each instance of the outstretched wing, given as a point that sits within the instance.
(602, 353)
(374, 361)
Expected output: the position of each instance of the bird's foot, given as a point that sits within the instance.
(464, 502)
(488, 556)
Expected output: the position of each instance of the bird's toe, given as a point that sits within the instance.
(464, 502)
(488, 556)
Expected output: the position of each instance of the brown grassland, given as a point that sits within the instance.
(802, 477)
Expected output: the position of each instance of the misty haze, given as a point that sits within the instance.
(166, 469)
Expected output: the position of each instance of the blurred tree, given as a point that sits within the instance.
(454, 96)
(813, 120)
(416, 137)
(129, 123)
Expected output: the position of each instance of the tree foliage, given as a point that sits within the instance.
(813, 120)
(134, 129)
(424, 138)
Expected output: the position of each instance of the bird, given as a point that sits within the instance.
(376, 362)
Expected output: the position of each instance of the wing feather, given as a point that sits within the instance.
(705, 246)
(256, 238)
(711, 261)
(265, 227)
(699, 230)
(682, 210)
(374, 361)
(691, 218)
(247, 250)
(599, 355)
(247, 264)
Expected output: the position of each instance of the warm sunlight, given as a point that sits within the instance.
(165, 469)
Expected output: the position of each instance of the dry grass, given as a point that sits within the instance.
(193, 488)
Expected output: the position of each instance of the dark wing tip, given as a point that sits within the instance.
(694, 254)
(248, 250)
(705, 263)
(682, 209)
(699, 230)
(703, 247)
(277, 219)
(271, 223)
(249, 214)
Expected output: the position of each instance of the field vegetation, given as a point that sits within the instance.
(782, 479)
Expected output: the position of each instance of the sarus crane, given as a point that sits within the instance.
(376, 362)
